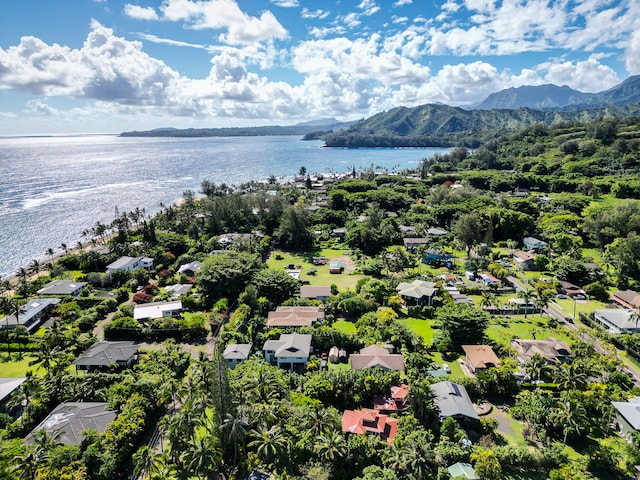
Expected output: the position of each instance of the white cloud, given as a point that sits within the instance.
(8, 115)
(586, 76)
(225, 15)
(368, 7)
(285, 3)
(168, 41)
(320, 14)
(632, 54)
(140, 13)
(40, 108)
(400, 3)
(395, 19)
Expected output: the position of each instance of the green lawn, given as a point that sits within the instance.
(420, 327)
(502, 329)
(456, 371)
(303, 262)
(566, 306)
(344, 326)
(16, 365)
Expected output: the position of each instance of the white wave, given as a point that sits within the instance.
(48, 197)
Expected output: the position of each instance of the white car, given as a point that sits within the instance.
(446, 368)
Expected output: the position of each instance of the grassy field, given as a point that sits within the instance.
(502, 329)
(344, 326)
(420, 327)
(566, 306)
(303, 262)
(16, 366)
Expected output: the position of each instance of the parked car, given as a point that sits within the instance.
(561, 296)
(569, 319)
(446, 368)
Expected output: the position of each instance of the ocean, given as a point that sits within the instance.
(53, 188)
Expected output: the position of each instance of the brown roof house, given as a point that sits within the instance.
(294, 316)
(370, 421)
(320, 292)
(376, 356)
(524, 260)
(479, 357)
(396, 401)
(627, 298)
(551, 349)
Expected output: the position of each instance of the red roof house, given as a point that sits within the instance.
(370, 421)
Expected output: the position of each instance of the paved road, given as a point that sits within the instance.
(555, 311)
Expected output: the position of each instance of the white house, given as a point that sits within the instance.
(618, 320)
(130, 264)
(236, 353)
(290, 351)
(157, 310)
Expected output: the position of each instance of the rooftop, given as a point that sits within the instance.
(376, 356)
(102, 354)
(61, 287)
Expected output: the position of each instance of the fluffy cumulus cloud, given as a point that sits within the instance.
(239, 28)
(632, 54)
(586, 76)
(140, 13)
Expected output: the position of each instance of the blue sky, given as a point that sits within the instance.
(89, 66)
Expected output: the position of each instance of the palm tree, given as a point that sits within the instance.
(64, 247)
(51, 253)
(236, 427)
(570, 377)
(34, 267)
(319, 420)
(526, 295)
(417, 461)
(569, 417)
(536, 367)
(143, 460)
(203, 456)
(268, 443)
(542, 299)
(330, 446)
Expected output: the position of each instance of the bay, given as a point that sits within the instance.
(53, 188)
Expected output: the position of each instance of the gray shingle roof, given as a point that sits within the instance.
(72, 418)
(102, 354)
(453, 400)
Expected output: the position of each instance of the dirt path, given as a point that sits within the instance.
(504, 424)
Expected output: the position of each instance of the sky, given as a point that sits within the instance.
(102, 66)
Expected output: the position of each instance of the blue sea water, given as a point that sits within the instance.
(53, 188)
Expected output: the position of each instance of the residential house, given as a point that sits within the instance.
(130, 264)
(190, 269)
(230, 238)
(627, 299)
(31, 314)
(490, 279)
(628, 416)
(149, 311)
(417, 292)
(370, 421)
(236, 353)
(534, 244)
(618, 320)
(453, 400)
(62, 287)
(552, 350)
(436, 232)
(524, 260)
(462, 470)
(290, 351)
(8, 386)
(104, 355)
(177, 290)
(339, 233)
(315, 292)
(69, 420)
(396, 401)
(294, 316)
(376, 356)
(436, 256)
(412, 244)
(480, 357)
(571, 290)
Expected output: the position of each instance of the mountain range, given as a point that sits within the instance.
(444, 125)
(546, 97)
